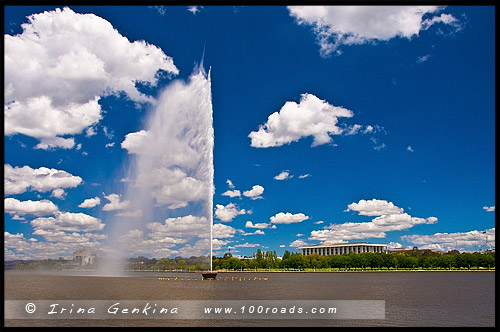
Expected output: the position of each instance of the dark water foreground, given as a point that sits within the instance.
(411, 299)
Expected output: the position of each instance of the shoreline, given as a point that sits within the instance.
(254, 271)
(354, 271)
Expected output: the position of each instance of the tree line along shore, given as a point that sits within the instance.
(423, 260)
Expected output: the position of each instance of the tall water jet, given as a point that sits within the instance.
(170, 185)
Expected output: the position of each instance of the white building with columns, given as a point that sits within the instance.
(343, 248)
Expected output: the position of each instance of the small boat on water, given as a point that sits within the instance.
(209, 275)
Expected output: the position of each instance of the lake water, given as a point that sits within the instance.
(458, 299)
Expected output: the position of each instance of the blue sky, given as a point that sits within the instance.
(330, 125)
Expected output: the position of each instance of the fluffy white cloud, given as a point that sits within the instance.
(37, 208)
(254, 193)
(48, 143)
(54, 91)
(374, 207)
(58, 193)
(284, 175)
(288, 218)
(135, 142)
(90, 202)
(69, 222)
(115, 203)
(298, 243)
(247, 245)
(389, 218)
(219, 244)
(257, 232)
(221, 231)
(394, 245)
(396, 222)
(472, 240)
(18, 180)
(228, 212)
(338, 233)
(304, 176)
(232, 193)
(249, 224)
(18, 247)
(489, 208)
(335, 26)
(230, 184)
(311, 117)
(194, 9)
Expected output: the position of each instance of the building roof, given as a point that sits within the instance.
(325, 245)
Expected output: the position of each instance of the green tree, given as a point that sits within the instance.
(376, 260)
(259, 256)
(297, 261)
(488, 260)
(465, 260)
(344, 261)
(446, 261)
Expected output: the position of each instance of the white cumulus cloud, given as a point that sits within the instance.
(58, 193)
(221, 231)
(58, 244)
(255, 192)
(335, 26)
(228, 212)
(232, 193)
(472, 240)
(310, 117)
(249, 224)
(389, 218)
(288, 218)
(374, 207)
(298, 243)
(115, 203)
(90, 202)
(18, 180)
(69, 222)
(284, 175)
(57, 69)
(37, 208)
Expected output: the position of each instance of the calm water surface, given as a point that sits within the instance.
(411, 298)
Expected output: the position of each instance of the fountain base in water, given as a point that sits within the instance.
(209, 275)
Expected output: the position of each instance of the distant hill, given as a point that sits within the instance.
(10, 264)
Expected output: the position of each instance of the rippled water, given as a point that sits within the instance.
(411, 298)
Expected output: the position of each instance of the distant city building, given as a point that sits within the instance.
(414, 249)
(85, 256)
(343, 248)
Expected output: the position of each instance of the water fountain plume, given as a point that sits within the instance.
(172, 175)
